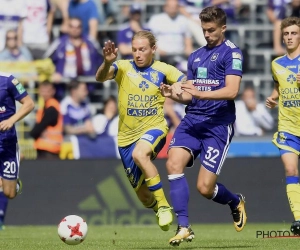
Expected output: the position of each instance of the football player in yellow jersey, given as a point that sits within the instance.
(142, 127)
(286, 74)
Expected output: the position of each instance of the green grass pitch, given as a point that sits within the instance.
(208, 236)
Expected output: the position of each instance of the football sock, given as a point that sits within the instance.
(293, 193)
(3, 206)
(155, 186)
(180, 194)
(223, 196)
(153, 205)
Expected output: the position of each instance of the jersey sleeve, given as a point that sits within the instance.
(190, 75)
(119, 69)
(274, 72)
(233, 62)
(173, 75)
(15, 88)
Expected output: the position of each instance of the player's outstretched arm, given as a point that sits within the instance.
(26, 108)
(175, 93)
(106, 71)
(271, 100)
(229, 92)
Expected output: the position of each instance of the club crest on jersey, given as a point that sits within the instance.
(154, 76)
(2, 109)
(214, 57)
(143, 85)
(291, 79)
(201, 72)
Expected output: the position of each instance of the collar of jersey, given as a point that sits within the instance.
(141, 68)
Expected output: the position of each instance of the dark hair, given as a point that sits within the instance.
(110, 98)
(213, 14)
(74, 84)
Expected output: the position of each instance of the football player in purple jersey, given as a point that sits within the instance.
(11, 90)
(213, 81)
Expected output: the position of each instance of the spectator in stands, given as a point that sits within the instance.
(62, 6)
(274, 8)
(252, 117)
(174, 112)
(48, 129)
(172, 33)
(231, 7)
(76, 111)
(107, 121)
(108, 10)
(74, 54)
(37, 26)
(12, 51)
(12, 14)
(127, 31)
(104, 145)
(276, 13)
(191, 9)
(86, 11)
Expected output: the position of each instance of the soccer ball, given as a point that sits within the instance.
(72, 230)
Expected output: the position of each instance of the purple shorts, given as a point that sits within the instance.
(210, 141)
(9, 162)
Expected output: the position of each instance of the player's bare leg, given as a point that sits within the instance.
(142, 157)
(9, 188)
(209, 188)
(290, 162)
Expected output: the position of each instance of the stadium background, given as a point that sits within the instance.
(94, 188)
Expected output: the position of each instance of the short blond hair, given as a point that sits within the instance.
(147, 35)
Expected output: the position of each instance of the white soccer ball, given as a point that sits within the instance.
(72, 230)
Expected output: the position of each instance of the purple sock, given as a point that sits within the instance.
(3, 206)
(179, 193)
(224, 196)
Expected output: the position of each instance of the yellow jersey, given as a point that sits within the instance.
(140, 102)
(284, 71)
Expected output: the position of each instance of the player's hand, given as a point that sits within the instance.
(165, 90)
(6, 125)
(191, 89)
(177, 88)
(110, 52)
(271, 103)
(298, 78)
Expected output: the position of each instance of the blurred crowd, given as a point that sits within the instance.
(51, 45)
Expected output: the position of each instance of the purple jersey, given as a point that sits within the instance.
(74, 114)
(207, 68)
(10, 91)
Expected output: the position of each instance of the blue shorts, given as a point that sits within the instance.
(287, 142)
(9, 162)
(210, 141)
(156, 139)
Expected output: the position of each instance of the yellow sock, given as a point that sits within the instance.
(293, 193)
(155, 186)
